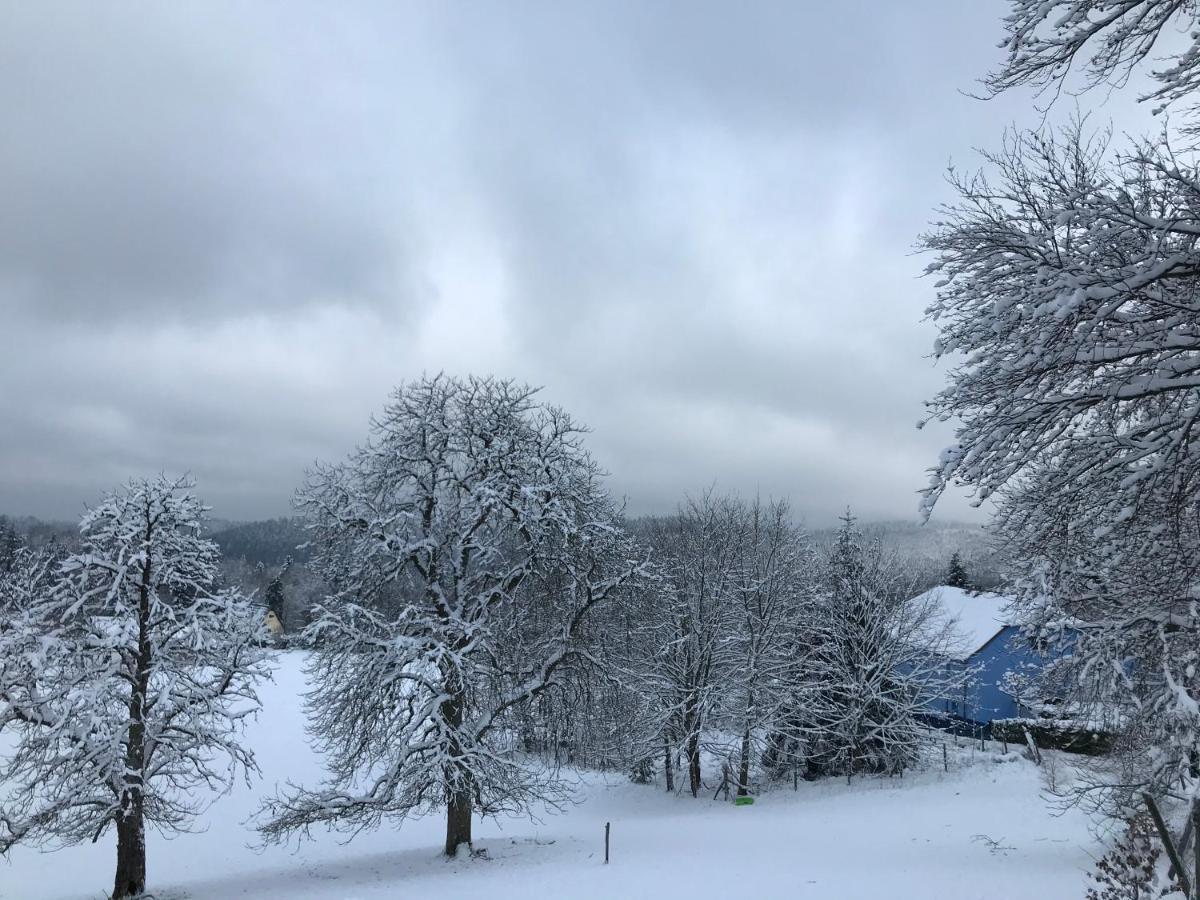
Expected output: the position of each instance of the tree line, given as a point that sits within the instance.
(489, 614)
(488, 617)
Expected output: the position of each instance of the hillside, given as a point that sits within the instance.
(978, 832)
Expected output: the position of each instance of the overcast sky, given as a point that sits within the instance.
(228, 230)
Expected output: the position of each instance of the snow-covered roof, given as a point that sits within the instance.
(974, 618)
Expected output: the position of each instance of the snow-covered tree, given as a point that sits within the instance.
(275, 597)
(593, 716)
(775, 591)
(956, 573)
(1124, 604)
(875, 664)
(686, 654)
(1068, 295)
(614, 701)
(27, 578)
(714, 661)
(125, 678)
(1105, 40)
(10, 544)
(467, 543)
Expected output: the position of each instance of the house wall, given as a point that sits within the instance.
(982, 699)
(985, 699)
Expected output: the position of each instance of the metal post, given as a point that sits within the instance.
(607, 826)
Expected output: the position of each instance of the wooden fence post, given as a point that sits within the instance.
(606, 830)
(1194, 821)
(1182, 844)
(1034, 752)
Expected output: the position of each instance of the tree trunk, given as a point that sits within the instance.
(691, 726)
(458, 821)
(458, 779)
(1194, 821)
(743, 786)
(130, 880)
(693, 754)
(668, 769)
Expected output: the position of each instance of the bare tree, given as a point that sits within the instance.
(690, 624)
(126, 678)
(775, 592)
(1069, 289)
(718, 653)
(1107, 39)
(467, 543)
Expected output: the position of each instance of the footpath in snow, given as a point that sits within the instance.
(982, 832)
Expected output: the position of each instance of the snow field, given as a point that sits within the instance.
(980, 832)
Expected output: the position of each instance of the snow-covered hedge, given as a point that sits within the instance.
(1054, 735)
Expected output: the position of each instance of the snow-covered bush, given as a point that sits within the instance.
(1055, 735)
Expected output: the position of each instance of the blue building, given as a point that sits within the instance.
(986, 646)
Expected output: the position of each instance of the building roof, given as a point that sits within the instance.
(974, 619)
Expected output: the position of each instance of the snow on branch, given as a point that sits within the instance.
(126, 676)
(468, 542)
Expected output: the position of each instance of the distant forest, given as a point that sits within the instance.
(269, 556)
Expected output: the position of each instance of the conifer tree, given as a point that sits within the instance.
(956, 573)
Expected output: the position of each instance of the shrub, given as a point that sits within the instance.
(1054, 735)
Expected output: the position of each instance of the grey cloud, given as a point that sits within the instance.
(146, 169)
(227, 230)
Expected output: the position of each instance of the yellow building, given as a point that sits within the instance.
(273, 625)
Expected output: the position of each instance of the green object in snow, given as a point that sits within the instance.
(743, 801)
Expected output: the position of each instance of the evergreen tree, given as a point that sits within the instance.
(874, 666)
(956, 574)
(276, 599)
(10, 543)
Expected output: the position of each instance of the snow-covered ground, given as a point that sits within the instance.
(981, 831)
